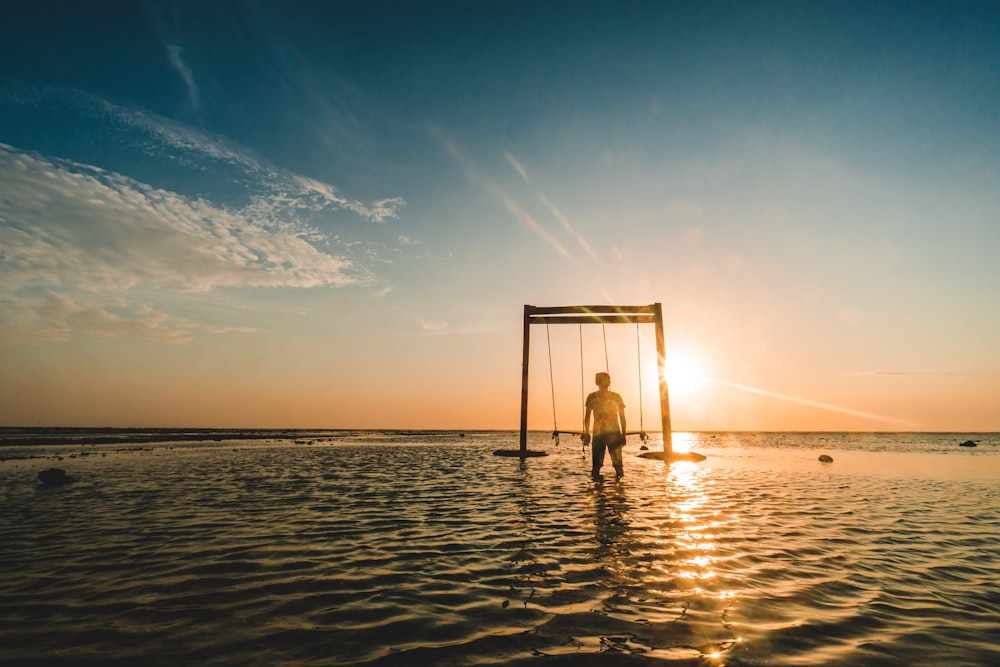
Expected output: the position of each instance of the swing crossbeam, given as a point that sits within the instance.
(649, 314)
(593, 319)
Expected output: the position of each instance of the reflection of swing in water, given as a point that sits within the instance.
(651, 314)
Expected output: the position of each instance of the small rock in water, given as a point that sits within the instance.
(825, 458)
(54, 477)
(968, 443)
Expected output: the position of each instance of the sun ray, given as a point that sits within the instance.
(809, 402)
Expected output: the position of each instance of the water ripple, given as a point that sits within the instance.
(438, 554)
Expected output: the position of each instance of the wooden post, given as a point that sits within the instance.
(524, 379)
(661, 368)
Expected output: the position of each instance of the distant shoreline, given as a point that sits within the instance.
(21, 436)
(26, 436)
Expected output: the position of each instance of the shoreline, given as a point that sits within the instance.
(25, 436)
(67, 435)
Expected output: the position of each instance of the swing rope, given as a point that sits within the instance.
(552, 386)
(583, 395)
(607, 366)
(583, 401)
(638, 358)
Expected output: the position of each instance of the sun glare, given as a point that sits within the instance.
(688, 381)
(685, 372)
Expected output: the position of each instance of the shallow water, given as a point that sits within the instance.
(388, 548)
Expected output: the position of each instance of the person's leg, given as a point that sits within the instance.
(616, 458)
(597, 447)
(615, 448)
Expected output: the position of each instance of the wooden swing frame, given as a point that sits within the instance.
(651, 314)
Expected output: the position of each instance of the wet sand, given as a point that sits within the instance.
(378, 548)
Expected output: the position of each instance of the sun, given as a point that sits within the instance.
(686, 372)
(689, 380)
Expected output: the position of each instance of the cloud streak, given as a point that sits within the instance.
(174, 56)
(552, 209)
(811, 403)
(499, 194)
(924, 371)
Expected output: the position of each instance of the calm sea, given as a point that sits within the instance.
(421, 548)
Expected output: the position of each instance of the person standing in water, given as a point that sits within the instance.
(609, 425)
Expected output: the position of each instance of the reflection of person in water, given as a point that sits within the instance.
(612, 525)
(609, 425)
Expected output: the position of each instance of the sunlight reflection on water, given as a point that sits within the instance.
(682, 442)
(418, 551)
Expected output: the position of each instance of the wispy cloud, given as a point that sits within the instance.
(69, 224)
(175, 57)
(427, 328)
(268, 187)
(78, 243)
(56, 316)
(433, 326)
(75, 238)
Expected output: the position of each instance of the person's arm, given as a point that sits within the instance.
(585, 436)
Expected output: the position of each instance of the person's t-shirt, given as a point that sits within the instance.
(605, 406)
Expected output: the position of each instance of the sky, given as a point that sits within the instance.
(331, 215)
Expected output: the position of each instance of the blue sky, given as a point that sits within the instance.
(331, 214)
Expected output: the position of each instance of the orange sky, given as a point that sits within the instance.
(471, 381)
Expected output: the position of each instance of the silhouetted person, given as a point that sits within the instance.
(609, 425)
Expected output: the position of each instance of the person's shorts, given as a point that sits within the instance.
(610, 440)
